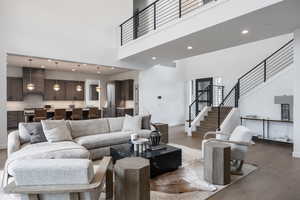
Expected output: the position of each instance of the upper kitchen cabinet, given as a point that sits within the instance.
(51, 94)
(128, 90)
(36, 76)
(14, 89)
(72, 93)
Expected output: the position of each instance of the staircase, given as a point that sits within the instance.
(273, 64)
(210, 122)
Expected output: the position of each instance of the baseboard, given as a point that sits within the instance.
(296, 154)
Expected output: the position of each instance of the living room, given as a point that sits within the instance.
(173, 114)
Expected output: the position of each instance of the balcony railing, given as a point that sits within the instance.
(155, 16)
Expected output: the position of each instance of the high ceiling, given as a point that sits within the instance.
(66, 66)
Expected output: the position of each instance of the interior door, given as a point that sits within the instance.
(204, 93)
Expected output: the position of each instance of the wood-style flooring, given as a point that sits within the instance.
(277, 177)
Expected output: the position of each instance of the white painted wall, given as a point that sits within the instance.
(79, 31)
(168, 83)
(229, 64)
(260, 102)
(296, 152)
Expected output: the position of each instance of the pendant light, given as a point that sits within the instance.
(30, 85)
(98, 89)
(56, 86)
(78, 87)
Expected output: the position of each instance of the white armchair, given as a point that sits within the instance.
(240, 140)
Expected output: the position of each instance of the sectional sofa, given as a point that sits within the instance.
(91, 139)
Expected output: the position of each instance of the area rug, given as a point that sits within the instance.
(186, 183)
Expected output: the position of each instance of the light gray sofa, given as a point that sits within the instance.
(92, 139)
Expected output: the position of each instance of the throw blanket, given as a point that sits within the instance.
(45, 151)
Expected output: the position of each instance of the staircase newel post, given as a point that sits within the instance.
(190, 116)
(180, 9)
(219, 117)
(237, 94)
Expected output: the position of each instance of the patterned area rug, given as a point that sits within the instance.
(186, 183)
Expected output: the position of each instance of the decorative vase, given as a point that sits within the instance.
(155, 138)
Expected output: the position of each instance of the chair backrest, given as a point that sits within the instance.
(93, 112)
(241, 134)
(59, 113)
(77, 111)
(40, 112)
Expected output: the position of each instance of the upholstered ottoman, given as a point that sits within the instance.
(59, 179)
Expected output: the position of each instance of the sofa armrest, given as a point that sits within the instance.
(214, 133)
(231, 142)
(13, 142)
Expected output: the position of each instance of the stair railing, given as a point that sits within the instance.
(266, 69)
(197, 100)
(156, 15)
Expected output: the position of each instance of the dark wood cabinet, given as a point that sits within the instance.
(123, 92)
(121, 112)
(67, 91)
(14, 89)
(128, 90)
(51, 94)
(72, 93)
(14, 118)
(37, 77)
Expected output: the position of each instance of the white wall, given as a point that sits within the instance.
(168, 83)
(79, 31)
(296, 152)
(229, 64)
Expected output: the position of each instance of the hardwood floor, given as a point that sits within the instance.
(277, 178)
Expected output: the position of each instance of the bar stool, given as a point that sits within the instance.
(40, 114)
(76, 114)
(93, 113)
(59, 114)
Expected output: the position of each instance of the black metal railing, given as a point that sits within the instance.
(270, 66)
(205, 100)
(156, 15)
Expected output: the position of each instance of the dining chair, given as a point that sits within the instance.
(76, 114)
(40, 114)
(93, 113)
(59, 114)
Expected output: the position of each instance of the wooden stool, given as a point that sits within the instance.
(132, 176)
(217, 163)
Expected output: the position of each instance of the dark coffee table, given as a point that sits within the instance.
(164, 160)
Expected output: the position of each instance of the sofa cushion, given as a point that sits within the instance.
(88, 127)
(103, 140)
(132, 123)
(146, 122)
(115, 123)
(59, 134)
(46, 150)
(25, 129)
(52, 172)
(37, 135)
(144, 133)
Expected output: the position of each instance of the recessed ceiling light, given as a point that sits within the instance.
(244, 32)
(98, 72)
(84, 64)
(189, 47)
(49, 60)
(73, 70)
(112, 68)
(42, 66)
(153, 58)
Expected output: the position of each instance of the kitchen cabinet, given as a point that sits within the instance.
(37, 78)
(71, 92)
(94, 95)
(14, 118)
(121, 112)
(50, 94)
(14, 89)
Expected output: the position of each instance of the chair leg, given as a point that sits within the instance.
(237, 167)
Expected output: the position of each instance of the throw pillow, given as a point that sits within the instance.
(37, 135)
(146, 122)
(26, 130)
(58, 134)
(56, 130)
(132, 123)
